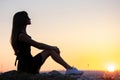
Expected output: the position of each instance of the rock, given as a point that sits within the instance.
(54, 72)
(53, 75)
(15, 75)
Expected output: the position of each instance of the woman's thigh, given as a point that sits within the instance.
(37, 61)
(40, 58)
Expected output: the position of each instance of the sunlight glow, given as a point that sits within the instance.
(111, 68)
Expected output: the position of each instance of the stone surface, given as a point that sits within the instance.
(56, 75)
(53, 75)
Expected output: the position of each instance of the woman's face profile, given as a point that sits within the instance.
(28, 21)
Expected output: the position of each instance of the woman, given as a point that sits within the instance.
(22, 42)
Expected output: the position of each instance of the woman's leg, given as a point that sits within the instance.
(41, 58)
(56, 57)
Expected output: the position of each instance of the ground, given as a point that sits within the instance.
(57, 75)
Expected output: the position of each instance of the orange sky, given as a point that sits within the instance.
(86, 31)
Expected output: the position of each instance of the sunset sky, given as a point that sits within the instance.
(86, 31)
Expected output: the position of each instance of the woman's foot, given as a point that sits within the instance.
(73, 71)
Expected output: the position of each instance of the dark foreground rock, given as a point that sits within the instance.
(53, 75)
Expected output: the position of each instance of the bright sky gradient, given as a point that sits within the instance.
(86, 31)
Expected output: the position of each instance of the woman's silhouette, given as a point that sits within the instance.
(22, 42)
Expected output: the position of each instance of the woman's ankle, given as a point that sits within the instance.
(69, 67)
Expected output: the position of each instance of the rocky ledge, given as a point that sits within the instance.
(53, 75)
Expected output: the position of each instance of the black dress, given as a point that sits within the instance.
(26, 62)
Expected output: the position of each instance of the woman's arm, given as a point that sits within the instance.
(25, 38)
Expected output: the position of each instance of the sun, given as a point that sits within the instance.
(111, 68)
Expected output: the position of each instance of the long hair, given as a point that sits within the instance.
(19, 21)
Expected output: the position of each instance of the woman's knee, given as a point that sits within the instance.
(52, 52)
